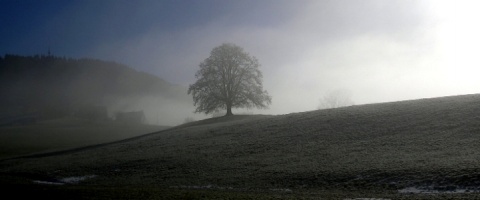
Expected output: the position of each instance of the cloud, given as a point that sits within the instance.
(379, 50)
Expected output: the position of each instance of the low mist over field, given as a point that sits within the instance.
(49, 87)
(378, 51)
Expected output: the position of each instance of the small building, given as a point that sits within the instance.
(134, 117)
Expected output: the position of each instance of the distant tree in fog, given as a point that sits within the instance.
(188, 120)
(336, 99)
(229, 78)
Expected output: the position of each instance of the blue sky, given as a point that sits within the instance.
(75, 27)
(377, 50)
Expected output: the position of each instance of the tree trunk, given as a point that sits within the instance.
(229, 110)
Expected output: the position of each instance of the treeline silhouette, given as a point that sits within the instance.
(56, 86)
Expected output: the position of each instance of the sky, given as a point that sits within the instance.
(378, 51)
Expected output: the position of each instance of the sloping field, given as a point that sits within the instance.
(428, 148)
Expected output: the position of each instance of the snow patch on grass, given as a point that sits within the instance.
(76, 179)
(48, 182)
(437, 190)
(367, 199)
(287, 190)
(209, 186)
(215, 187)
(67, 180)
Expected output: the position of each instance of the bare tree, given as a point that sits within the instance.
(335, 99)
(229, 78)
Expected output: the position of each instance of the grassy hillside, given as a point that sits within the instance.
(375, 150)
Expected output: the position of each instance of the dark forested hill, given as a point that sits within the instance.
(57, 86)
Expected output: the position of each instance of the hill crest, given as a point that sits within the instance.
(57, 86)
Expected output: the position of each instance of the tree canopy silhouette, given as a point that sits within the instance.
(229, 78)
